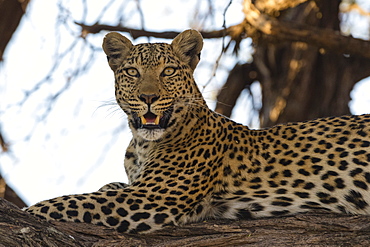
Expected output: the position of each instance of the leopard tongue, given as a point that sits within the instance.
(150, 119)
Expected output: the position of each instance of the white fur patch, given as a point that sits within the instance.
(150, 134)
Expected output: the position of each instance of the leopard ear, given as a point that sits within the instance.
(116, 47)
(187, 46)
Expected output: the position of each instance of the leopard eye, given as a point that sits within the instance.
(132, 72)
(168, 71)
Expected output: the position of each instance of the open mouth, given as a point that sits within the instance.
(152, 121)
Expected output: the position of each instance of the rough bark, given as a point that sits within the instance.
(18, 228)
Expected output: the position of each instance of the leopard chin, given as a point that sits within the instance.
(153, 134)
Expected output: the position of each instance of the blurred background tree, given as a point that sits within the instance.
(11, 13)
(291, 60)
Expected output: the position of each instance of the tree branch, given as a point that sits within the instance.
(322, 38)
(4, 146)
(271, 6)
(232, 31)
(256, 23)
(318, 229)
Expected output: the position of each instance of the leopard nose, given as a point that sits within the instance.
(148, 98)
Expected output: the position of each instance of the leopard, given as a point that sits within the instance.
(187, 163)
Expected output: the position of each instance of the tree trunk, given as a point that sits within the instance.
(240, 78)
(17, 228)
(11, 13)
(299, 80)
(9, 194)
(305, 82)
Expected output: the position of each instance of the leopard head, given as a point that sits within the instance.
(154, 83)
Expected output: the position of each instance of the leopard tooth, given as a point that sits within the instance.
(156, 121)
(143, 120)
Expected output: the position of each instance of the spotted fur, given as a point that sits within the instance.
(186, 163)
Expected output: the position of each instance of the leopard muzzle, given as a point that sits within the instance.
(152, 121)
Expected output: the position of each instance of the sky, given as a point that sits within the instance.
(74, 141)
